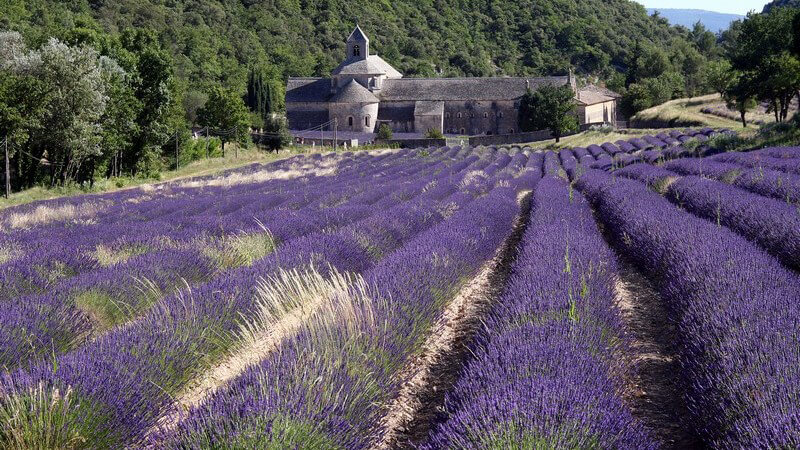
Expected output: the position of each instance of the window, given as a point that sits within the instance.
(446, 115)
(350, 121)
(510, 131)
(458, 115)
(471, 115)
(485, 115)
(500, 114)
(356, 50)
(366, 121)
(463, 131)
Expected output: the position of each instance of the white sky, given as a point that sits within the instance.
(723, 6)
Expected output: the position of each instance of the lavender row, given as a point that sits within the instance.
(547, 370)
(118, 293)
(769, 183)
(293, 389)
(184, 334)
(735, 309)
(788, 165)
(45, 264)
(770, 223)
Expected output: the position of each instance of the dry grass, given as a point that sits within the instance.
(106, 256)
(47, 214)
(38, 418)
(687, 110)
(299, 169)
(285, 304)
(591, 137)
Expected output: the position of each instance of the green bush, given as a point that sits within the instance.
(385, 132)
(433, 133)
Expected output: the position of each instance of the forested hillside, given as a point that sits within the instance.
(216, 40)
(157, 67)
(781, 3)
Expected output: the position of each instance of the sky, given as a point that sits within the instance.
(723, 6)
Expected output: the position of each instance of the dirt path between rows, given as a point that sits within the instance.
(653, 392)
(201, 389)
(429, 375)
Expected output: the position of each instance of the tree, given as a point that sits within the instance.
(764, 56)
(384, 132)
(719, 75)
(276, 133)
(226, 114)
(738, 95)
(551, 108)
(264, 96)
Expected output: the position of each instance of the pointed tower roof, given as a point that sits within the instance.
(358, 35)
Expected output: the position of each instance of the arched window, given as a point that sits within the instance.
(485, 115)
(366, 121)
(463, 131)
(472, 115)
(356, 50)
(458, 115)
(350, 121)
(500, 114)
(447, 115)
(510, 131)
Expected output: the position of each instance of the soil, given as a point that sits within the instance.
(431, 373)
(653, 392)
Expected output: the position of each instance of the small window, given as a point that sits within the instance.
(356, 50)
(471, 115)
(485, 115)
(463, 131)
(500, 114)
(458, 115)
(366, 121)
(350, 121)
(446, 115)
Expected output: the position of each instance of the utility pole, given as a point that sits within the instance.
(335, 133)
(206, 142)
(8, 169)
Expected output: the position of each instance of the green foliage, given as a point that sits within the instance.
(434, 133)
(385, 132)
(718, 75)
(226, 113)
(275, 134)
(549, 108)
(765, 58)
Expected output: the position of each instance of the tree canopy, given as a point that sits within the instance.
(549, 108)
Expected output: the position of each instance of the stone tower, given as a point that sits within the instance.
(357, 45)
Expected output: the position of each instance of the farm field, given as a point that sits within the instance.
(636, 294)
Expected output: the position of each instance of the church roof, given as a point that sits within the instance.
(354, 92)
(308, 90)
(426, 108)
(372, 65)
(592, 95)
(463, 89)
(358, 35)
(601, 90)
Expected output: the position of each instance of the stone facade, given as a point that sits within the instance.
(364, 91)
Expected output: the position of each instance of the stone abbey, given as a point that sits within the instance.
(364, 91)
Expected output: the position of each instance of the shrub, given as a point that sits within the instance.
(433, 133)
(384, 132)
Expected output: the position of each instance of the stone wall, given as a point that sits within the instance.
(364, 116)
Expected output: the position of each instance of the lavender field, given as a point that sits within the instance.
(637, 294)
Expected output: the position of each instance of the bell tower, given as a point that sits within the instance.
(357, 45)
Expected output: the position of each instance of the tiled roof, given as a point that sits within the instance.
(462, 89)
(372, 65)
(354, 92)
(358, 35)
(426, 108)
(299, 90)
